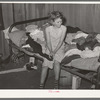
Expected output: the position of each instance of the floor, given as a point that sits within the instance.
(15, 76)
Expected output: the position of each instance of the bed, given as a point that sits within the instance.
(15, 35)
(87, 68)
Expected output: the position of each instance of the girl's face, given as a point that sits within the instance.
(57, 22)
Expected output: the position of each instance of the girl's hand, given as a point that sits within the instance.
(51, 54)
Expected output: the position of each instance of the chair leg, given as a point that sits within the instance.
(98, 78)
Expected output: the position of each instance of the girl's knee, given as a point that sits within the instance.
(44, 67)
(56, 63)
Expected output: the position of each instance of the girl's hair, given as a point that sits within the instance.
(54, 15)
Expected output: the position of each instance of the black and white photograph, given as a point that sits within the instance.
(49, 46)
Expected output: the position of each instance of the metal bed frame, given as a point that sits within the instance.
(91, 76)
(23, 51)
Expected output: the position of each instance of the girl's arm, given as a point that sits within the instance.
(61, 40)
(47, 38)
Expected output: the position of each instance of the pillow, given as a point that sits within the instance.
(6, 33)
(70, 37)
(98, 37)
(18, 37)
(31, 28)
(81, 34)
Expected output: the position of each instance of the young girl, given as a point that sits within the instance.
(55, 35)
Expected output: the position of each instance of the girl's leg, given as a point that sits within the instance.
(43, 76)
(57, 73)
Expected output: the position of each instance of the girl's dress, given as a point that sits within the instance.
(55, 38)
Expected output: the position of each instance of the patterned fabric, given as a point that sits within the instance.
(16, 58)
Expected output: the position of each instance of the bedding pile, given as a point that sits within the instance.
(82, 50)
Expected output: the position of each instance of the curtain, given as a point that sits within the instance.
(84, 16)
(4, 48)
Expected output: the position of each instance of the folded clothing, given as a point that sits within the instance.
(68, 59)
(72, 52)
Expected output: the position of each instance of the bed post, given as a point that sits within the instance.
(0, 60)
(98, 78)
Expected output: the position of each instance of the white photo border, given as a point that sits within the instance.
(29, 93)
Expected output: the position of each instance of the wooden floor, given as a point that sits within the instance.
(15, 76)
